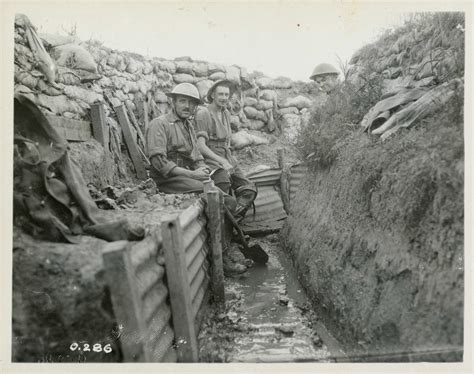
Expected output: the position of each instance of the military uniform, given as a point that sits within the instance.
(171, 142)
(213, 124)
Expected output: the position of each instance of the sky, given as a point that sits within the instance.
(277, 38)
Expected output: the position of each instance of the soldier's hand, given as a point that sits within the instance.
(201, 173)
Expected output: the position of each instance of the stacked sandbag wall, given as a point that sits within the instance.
(426, 51)
(88, 72)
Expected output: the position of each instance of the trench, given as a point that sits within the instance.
(267, 317)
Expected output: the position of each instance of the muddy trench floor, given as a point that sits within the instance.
(266, 317)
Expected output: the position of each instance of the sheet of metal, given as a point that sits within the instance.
(155, 298)
(148, 277)
(268, 177)
(268, 206)
(298, 173)
(161, 349)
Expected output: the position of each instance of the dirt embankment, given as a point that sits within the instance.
(378, 240)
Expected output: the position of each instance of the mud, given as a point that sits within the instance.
(266, 317)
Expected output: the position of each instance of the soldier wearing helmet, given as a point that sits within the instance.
(325, 75)
(178, 166)
(213, 132)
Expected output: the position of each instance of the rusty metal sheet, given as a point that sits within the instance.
(268, 177)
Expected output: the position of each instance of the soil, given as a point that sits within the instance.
(377, 238)
(60, 295)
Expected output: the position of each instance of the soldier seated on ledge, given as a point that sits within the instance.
(177, 164)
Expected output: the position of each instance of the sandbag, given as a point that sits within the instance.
(256, 124)
(289, 110)
(26, 79)
(147, 67)
(216, 68)
(134, 66)
(47, 88)
(203, 87)
(282, 83)
(217, 76)
(265, 83)
(184, 67)
(200, 69)
(264, 105)
(299, 101)
(168, 66)
(233, 74)
(269, 95)
(243, 139)
(250, 101)
(75, 57)
(183, 78)
(68, 77)
(252, 113)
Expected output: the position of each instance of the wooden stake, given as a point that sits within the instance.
(145, 115)
(180, 292)
(131, 143)
(281, 158)
(215, 233)
(99, 125)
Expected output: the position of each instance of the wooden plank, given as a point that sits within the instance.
(130, 142)
(99, 125)
(145, 115)
(215, 235)
(179, 289)
(71, 129)
(124, 299)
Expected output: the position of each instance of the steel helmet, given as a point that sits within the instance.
(185, 89)
(323, 69)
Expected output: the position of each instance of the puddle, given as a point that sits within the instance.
(263, 319)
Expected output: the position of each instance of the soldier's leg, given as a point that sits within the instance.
(245, 192)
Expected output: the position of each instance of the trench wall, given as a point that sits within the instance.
(377, 234)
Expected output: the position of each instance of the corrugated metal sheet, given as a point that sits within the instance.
(268, 207)
(196, 250)
(268, 177)
(297, 174)
(148, 277)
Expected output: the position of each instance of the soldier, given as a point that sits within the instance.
(213, 132)
(177, 164)
(325, 75)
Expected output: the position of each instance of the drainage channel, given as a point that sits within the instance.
(267, 318)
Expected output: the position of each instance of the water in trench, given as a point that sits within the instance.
(266, 318)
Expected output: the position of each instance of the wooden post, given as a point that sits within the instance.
(215, 233)
(180, 291)
(145, 115)
(124, 299)
(281, 158)
(99, 126)
(131, 143)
